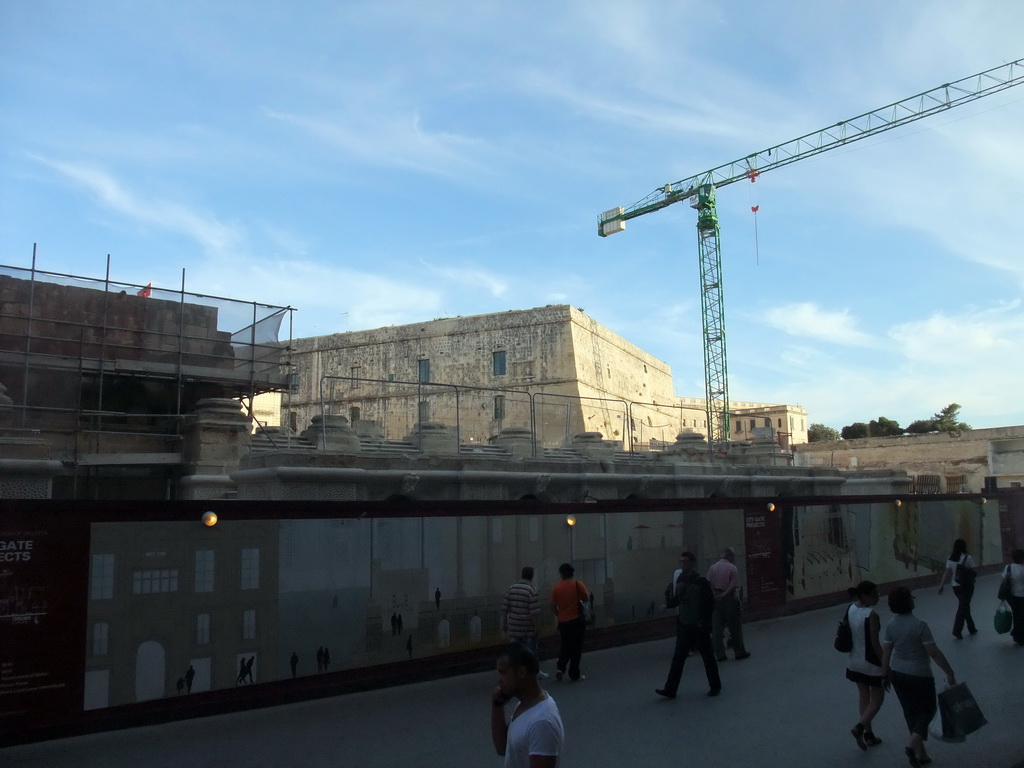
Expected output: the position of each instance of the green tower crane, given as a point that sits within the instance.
(700, 191)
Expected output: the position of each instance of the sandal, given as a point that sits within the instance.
(871, 740)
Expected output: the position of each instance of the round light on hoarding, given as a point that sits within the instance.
(209, 519)
(570, 520)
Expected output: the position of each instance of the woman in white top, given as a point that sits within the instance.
(865, 665)
(961, 569)
(1016, 600)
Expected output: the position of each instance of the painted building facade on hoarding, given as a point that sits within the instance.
(374, 584)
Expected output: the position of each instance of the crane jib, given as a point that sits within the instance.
(700, 190)
(844, 132)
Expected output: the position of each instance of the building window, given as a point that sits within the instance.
(102, 587)
(780, 424)
(203, 629)
(250, 569)
(739, 425)
(153, 581)
(499, 407)
(249, 625)
(424, 371)
(498, 363)
(100, 638)
(293, 421)
(204, 570)
(353, 414)
(424, 411)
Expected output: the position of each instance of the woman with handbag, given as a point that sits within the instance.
(1013, 579)
(908, 649)
(565, 602)
(961, 569)
(864, 667)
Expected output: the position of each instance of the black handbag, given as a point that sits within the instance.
(844, 634)
(1005, 587)
(586, 607)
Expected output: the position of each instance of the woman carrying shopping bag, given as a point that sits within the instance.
(908, 649)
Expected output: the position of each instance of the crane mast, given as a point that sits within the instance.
(700, 191)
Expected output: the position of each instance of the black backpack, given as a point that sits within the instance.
(965, 575)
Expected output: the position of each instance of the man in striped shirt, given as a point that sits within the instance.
(520, 613)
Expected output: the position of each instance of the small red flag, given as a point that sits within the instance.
(147, 291)
(755, 208)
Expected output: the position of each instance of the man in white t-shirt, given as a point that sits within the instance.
(532, 737)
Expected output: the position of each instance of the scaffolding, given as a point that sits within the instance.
(104, 370)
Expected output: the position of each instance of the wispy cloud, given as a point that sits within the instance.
(473, 278)
(397, 140)
(170, 216)
(329, 298)
(810, 320)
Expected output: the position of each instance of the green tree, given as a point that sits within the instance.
(855, 430)
(884, 427)
(947, 420)
(921, 427)
(819, 433)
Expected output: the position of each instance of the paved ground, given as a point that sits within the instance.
(788, 705)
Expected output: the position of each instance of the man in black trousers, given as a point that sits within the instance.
(691, 592)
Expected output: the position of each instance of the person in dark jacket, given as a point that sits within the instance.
(691, 593)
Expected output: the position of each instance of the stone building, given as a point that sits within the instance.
(552, 370)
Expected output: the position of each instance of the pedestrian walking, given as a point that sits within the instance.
(520, 613)
(1014, 573)
(691, 593)
(907, 647)
(532, 737)
(865, 665)
(724, 578)
(961, 570)
(565, 603)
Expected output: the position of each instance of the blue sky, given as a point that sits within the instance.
(385, 162)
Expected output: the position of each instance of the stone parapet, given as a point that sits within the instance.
(518, 441)
(27, 478)
(592, 445)
(215, 436)
(434, 439)
(332, 433)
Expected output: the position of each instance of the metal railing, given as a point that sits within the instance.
(392, 409)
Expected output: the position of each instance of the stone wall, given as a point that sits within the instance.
(942, 463)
